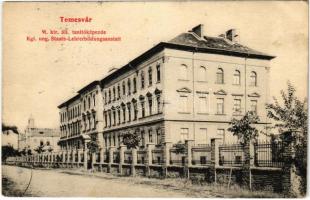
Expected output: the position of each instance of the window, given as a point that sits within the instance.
(158, 73)
(158, 103)
(135, 107)
(254, 106)
(158, 138)
(202, 74)
(184, 134)
(114, 94)
(183, 72)
(105, 99)
(129, 86)
(118, 91)
(220, 106)
(253, 79)
(236, 80)
(105, 118)
(150, 136)
(119, 115)
(150, 76)
(150, 104)
(142, 138)
(221, 133)
(114, 117)
(142, 109)
(109, 96)
(124, 88)
(48, 143)
(202, 104)
(124, 114)
(142, 80)
(134, 85)
(129, 111)
(237, 106)
(41, 143)
(110, 118)
(184, 104)
(88, 102)
(220, 76)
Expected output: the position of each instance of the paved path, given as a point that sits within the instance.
(52, 183)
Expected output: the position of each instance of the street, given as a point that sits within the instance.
(56, 183)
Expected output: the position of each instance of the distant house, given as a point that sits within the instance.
(10, 138)
(34, 137)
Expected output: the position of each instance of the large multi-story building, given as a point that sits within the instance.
(33, 137)
(188, 88)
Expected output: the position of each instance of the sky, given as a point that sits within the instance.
(38, 76)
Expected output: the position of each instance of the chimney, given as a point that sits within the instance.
(198, 30)
(232, 35)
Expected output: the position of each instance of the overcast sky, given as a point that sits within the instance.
(38, 76)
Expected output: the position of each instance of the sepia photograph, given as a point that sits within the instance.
(159, 99)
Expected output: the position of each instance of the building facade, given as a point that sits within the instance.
(188, 88)
(33, 137)
(9, 138)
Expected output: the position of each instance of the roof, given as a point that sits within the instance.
(220, 44)
(191, 42)
(90, 85)
(75, 97)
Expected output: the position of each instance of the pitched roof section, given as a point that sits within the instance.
(218, 45)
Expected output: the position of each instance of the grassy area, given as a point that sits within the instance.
(190, 189)
(9, 189)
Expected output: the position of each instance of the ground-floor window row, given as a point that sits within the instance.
(133, 110)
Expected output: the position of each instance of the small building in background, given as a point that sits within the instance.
(10, 138)
(34, 137)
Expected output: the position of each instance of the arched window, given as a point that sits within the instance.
(118, 91)
(183, 72)
(150, 75)
(134, 85)
(202, 73)
(94, 99)
(114, 94)
(236, 80)
(158, 72)
(142, 80)
(88, 102)
(129, 86)
(124, 88)
(109, 96)
(253, 79)
(220, 76)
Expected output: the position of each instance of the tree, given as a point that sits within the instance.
(8, 151)
(243, 128)
(40, 149)
(93, 146)
(12, 128)
(292, 116)
(131, 140)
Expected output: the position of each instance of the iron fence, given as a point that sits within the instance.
(269, 154)
(232, 155)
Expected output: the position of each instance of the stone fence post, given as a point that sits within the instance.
(111, 151)
(249, 155)
(291, 181)
(189, 145)
(121, 158)
(215, 157)
(134, 161)
(149, 148)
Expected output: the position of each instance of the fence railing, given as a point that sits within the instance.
(266, 154)
(232, 155)
(269, 154)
